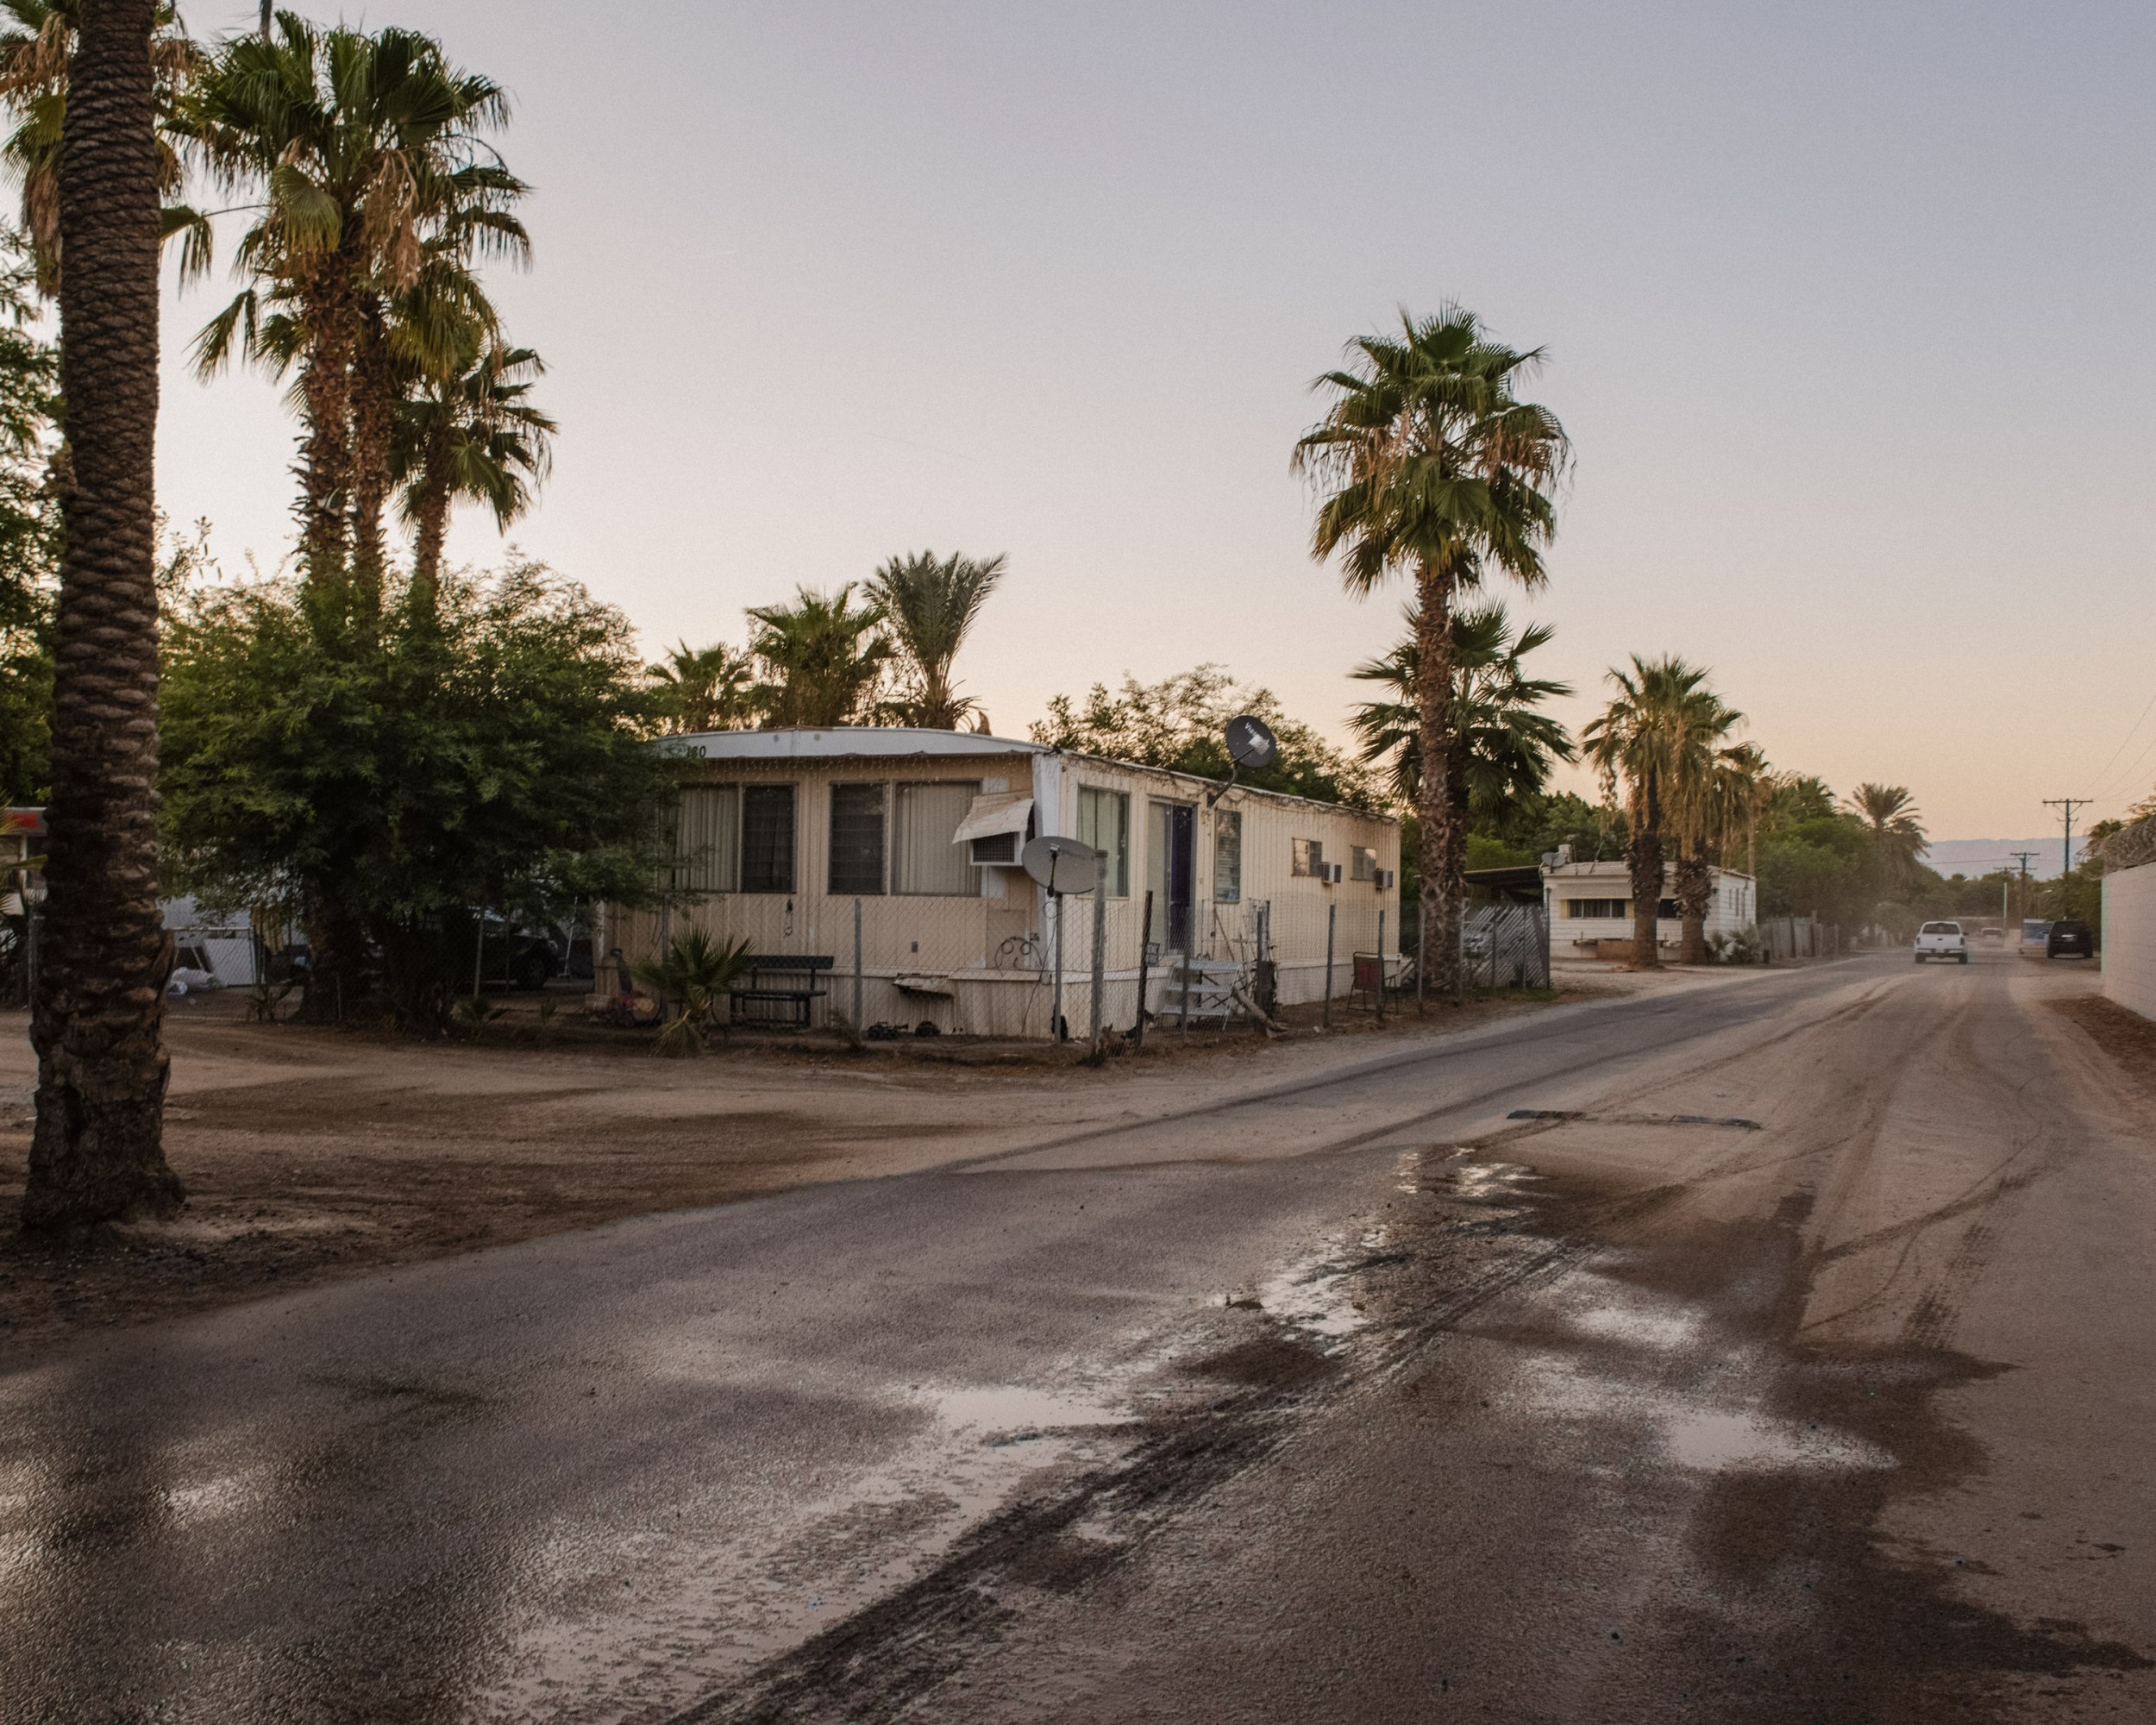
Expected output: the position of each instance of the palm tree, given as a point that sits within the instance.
(930, 604)
(1707, 803)
(468, 433)
(1506, 747)
(1649, 739)
(1432, 466)
(1751, 782)
(34, 60)
(1897, 829)
(98, 1020)
(823, 658)
(362, 149)
(706, 688)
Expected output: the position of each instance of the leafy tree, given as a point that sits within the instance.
(822, 658)
(705, 688)
(1432, 466)
(1897, 829)
(97, 1012)
(1177, 724)
(493, 751)
(29, 533)
(930, 604)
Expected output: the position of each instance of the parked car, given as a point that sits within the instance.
(2070, 939)
(1942, 940)
(1994, 935)
(2035, 938)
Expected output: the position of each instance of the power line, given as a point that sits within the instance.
(2131, 732)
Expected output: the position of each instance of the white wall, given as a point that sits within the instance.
(2129, 938)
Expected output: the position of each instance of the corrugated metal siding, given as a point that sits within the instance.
(1000, 950)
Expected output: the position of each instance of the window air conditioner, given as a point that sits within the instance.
(1386, 879)
(997, 847)
(1332, 873)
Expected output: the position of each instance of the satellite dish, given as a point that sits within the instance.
(1062, 865)
(1250, 742)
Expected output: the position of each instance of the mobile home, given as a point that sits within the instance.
(781, 834)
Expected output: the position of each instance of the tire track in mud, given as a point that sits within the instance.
(876, 1665)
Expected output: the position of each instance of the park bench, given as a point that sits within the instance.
(782, 990)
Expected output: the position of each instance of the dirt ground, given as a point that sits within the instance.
(312, 1153)
(2127, 1037)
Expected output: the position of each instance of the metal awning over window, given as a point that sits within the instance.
(994, 813)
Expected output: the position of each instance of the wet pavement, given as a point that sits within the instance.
(1786, 1357)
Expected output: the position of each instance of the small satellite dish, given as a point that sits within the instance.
(1250, 742)
(1062, 865)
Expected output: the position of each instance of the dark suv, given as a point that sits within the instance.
(2070, 940)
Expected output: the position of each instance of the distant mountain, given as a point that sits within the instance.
(1982, 855)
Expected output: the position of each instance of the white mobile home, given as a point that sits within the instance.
(1591, 902)
(782, 833)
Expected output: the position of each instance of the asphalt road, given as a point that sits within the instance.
(1776, 1348)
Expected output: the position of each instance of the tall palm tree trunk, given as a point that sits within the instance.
(1645, 867)
(373, 402)
(97, 1151)
(1695, 888)
(1442, 846)
(325, 454)
(430, 532)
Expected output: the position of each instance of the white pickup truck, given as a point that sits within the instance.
(1942, 940)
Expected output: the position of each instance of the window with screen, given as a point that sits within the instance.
(1308, 858)
(1104, 822)
(1227, 856)
(927, 860)
(767, 838)
(1586, 909)
(856, 863)
(708, 839)
(1363, 862)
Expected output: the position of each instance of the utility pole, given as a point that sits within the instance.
(2021, 897)
(2069, 804)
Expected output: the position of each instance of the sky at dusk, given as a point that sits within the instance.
(1845, 310)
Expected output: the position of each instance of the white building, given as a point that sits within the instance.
(1591, 902)
(781, 832)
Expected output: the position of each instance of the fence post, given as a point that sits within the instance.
(1101, 955)
(1145, 953)
(858, 1026)
(1332, 917)
(1056, 1027)
(1380, 967)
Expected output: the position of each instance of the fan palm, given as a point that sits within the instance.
(34, 60)
(1707, 802)
(97, 1016)
(706, 688)
(1655, 739)
(1896, 826)
(1505, 746)
(467, 433)
(692, 976)
(363, 148)
(930, 604)
(823, 658)
(1431, 465)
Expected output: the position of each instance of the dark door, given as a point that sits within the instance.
(1172, 873)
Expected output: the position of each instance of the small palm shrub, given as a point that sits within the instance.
(691, 977)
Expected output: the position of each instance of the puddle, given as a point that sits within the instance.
(1716, 1442)
(1311, 1293)
(1005, 1410)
